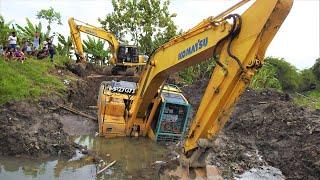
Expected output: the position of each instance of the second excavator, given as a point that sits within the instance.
(125, 58)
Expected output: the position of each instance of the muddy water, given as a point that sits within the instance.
(134, 161)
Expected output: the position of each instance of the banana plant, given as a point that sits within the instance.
(27, 32)
(95, 48)
(64, 45)
(4, 31)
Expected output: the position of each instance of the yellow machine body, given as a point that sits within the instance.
(237, 43)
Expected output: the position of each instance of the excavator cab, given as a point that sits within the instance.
(128, 54)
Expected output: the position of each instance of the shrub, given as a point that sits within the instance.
(266, 77)
(286, 73)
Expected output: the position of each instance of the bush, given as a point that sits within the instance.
(316, 69)
(286, 73)
(266, 77)
(308, 80)
(199, 71)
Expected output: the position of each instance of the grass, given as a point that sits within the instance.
(27, 80)
(310, 99)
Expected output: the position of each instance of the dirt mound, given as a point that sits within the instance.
(285, 135)
(26, 129)
(83, 70)
(84, 92)
(266, 128)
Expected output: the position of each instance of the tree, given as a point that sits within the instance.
(51, 16)
(146, 23)
(95, 49)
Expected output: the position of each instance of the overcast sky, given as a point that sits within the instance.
(297, 41)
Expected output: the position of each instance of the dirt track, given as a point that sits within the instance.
(266, 128)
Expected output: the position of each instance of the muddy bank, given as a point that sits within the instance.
(84, 92)
(27, 129)
(266, 128)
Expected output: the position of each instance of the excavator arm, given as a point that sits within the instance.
(237, 43)
(76, 29)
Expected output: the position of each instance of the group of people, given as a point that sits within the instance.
(14, 52)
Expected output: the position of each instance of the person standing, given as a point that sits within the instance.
(36, 41)
(50, 48)
(12, 40)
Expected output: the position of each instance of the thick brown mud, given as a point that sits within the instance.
(26, 129)
(266, 128)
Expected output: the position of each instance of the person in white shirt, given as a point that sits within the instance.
(12, 40)
(36, 41)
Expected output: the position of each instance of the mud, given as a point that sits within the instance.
(266, 128)
(34, 129)
(27, 130)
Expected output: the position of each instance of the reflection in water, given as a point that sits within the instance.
(134, 158)
(27, 167)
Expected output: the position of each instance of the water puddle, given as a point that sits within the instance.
(134, 161)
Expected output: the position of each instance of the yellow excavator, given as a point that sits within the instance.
(125, 58)
(151, 108)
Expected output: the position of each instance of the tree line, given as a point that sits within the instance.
(280, 74)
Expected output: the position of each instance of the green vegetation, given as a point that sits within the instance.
(95, 48)
(64, 45)
(146, 23)
(280, 75)
(286, 73)
(27, 80)
(4, 31)
(309, 99)
(197, 72)
(266, 78)
(51, 16)
(27, 32)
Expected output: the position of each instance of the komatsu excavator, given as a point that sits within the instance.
(125, 58)
(236, 42)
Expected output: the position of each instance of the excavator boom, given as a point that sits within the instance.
(75, 31)
(236, 42)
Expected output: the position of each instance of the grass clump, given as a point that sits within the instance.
(27, 80)
(309, 99)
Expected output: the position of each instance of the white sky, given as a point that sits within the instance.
(297, 41)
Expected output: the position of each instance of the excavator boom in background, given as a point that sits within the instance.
(125, 58)
(237, 43)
